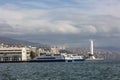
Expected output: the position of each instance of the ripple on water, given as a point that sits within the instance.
(86, 70)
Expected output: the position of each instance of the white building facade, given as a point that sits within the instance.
(14, 54)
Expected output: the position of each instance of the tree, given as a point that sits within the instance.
(32, 54)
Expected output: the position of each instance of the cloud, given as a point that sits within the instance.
(33, 21)
(48, 27)
(83, 18)
(60, 21)
(6, 29)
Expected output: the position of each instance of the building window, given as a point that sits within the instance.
(15, 58)
(6, 59)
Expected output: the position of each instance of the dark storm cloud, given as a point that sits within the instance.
(5, 28)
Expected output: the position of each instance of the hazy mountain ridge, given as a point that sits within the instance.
(101, 52)
(109, 48)
(11, 41)
(98, 53)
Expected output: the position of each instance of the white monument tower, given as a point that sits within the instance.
(91, 50)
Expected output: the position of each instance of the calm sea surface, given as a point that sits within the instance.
(85, 70)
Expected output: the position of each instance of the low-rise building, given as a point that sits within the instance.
(54, 50)
(14, 53)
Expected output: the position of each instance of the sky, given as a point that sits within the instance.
(62, 22)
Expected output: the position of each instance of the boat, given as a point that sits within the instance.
(58, 58)
(73, 57)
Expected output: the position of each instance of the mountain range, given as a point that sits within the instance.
(104, 52)
(11, 41)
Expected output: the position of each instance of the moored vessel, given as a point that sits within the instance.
(58, 58)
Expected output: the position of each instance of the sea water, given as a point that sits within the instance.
(84, 70)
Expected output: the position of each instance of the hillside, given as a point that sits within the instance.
(99, 53)
(10, 41)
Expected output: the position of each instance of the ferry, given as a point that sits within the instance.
(58, 58)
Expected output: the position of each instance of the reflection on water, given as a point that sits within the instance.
(85, 70)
